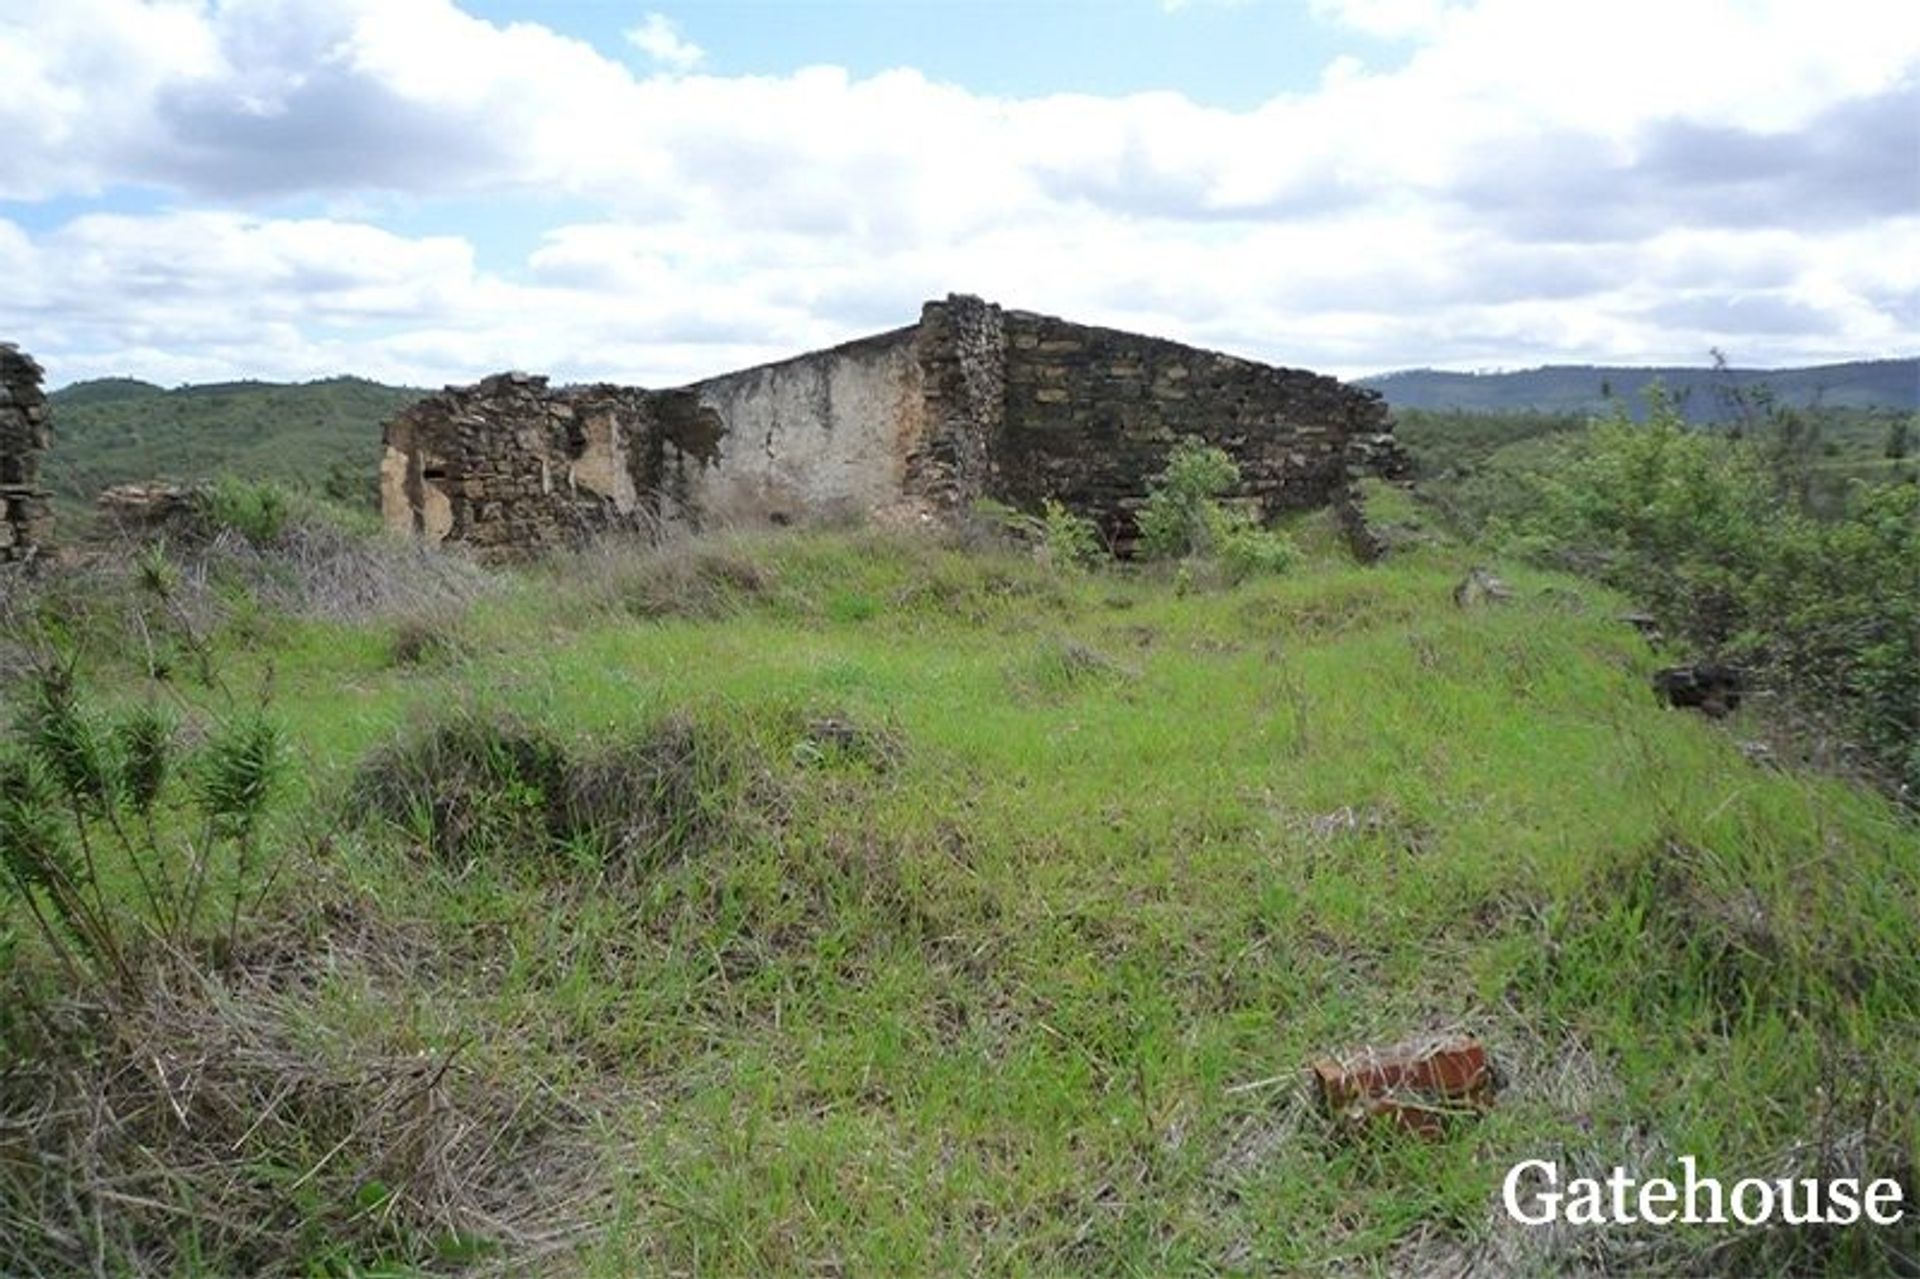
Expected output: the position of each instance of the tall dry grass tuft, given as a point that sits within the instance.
(165, 600)
(317, 568)
(208, 1126)
(696, 577)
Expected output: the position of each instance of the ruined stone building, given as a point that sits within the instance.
(24, 504)
(973, 401)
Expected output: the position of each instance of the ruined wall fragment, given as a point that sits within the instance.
(961, 349)
(825, 434)
(973, 401)
(511, 464)
(25, 509)
(1091, 415)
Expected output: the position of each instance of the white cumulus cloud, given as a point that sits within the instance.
(1535, 181)
(659, 38)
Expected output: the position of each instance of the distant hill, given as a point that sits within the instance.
(107, 390)
(1593, 388)
(313, 434)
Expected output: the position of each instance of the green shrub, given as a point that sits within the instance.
(155, 571)
(1071, 541)
(1058, 536)
(1732, 559)
(1253, 552)
(80, 791)
(257, 510)
(1183, 515)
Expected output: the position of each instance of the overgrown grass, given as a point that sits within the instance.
(978, 916)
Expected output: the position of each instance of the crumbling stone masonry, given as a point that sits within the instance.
(974, 401)
(24, 509)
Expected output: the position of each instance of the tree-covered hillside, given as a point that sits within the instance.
(321, 435)
(1703, 394)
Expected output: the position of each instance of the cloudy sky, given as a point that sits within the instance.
(648, 191)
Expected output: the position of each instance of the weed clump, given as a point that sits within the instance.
(257, 510)
(652, 796)
(1062, 667)
(692, 580)
(175, 595)
(1059, 538)
(476, 785)
(84, 795)
(826, 741)
(1742, 937)
(427, 639)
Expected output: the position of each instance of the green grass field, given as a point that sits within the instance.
(964, 916)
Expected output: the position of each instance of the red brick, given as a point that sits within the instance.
(1416, 1085)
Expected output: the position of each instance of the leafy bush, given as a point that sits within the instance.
(1185, 517)
(257, 510)
(1252, 552)
(1058, 536)
(1070, 541)
(1729, 554)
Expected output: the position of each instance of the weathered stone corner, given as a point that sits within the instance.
(25, 511)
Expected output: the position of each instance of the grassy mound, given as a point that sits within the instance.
(977, 916)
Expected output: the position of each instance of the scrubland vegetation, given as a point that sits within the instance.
(1746, 546)
(857, 902)
(324, 435)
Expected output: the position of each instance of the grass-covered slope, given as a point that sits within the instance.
(848, 904)
(119, 430)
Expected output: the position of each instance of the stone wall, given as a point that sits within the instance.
(1092, 413)
(510, 463)
(23, 437)
(824, 434)
(962, 352)
(971, 402)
